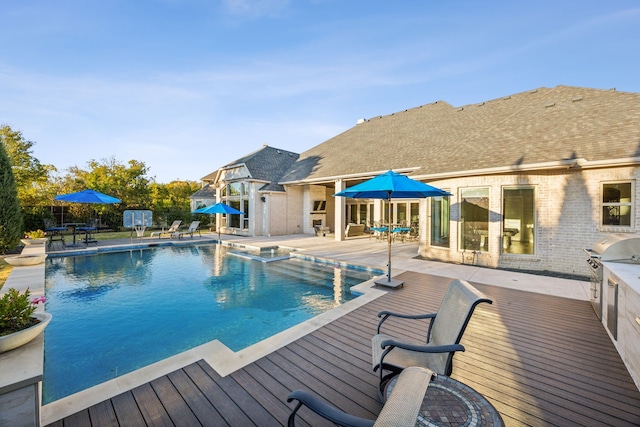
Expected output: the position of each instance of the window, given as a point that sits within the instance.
(440, 220)
(415, 215)
(474, 219)
(235, 194)
(617, 209)
(319, 205)
(233, 221)
(245, 217)
(518, 212)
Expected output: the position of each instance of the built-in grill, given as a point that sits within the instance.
(623, 248)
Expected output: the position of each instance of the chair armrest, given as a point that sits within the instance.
(384, 315)
(422, 348)
(403, 405)
(325, 410)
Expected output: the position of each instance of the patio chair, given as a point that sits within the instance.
(170, 231)
(400, 410)
(194, 227)
(54, 232)
(88, 230)
(442, 340)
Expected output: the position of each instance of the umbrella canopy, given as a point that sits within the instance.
(87, 196)
(391, 185)
(218, 208)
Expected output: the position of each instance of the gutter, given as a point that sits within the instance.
(361, 175)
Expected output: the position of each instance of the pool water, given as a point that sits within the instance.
(114, 313)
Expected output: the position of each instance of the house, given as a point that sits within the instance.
(250, 184)
(535, 178)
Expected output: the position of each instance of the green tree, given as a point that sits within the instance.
(171, 201)
(10, 213)
(32, 178)
(128, 182)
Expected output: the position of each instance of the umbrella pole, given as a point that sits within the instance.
(389, 240)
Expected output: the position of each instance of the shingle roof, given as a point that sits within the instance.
(538, 126)
(206, 192)
(265, 164)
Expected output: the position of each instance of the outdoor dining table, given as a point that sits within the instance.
(451, 403)
(399, 231)
(380, 231)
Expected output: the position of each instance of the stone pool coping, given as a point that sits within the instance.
(22, 368)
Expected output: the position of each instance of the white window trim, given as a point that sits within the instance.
(631, 204)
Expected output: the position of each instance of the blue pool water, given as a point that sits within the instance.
(114, 313)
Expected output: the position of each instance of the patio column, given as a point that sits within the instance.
(339, 211)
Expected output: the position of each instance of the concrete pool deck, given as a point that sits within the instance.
(359, 251)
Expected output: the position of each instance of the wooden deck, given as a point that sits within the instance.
(540, 360)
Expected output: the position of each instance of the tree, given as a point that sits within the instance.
(10, 213)
(32, 178)
(171, 201)
(128, 182)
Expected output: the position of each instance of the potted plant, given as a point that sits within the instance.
(36, 237)
(19, 323)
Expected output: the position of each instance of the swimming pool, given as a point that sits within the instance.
(114, 313)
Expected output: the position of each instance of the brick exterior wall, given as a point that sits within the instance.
(568, 218)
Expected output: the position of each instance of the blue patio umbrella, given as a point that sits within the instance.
(87, 196)
(391, 185)
(218, 208)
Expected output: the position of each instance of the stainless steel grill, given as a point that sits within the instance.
(622, 248)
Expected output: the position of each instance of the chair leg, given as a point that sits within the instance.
(384, 380)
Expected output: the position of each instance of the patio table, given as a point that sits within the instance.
(450, 403)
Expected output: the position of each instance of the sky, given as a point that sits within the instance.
(187, 86)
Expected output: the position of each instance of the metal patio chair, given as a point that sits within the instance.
(400, 410)
(89, 229)
(53, 232)
(442, 339)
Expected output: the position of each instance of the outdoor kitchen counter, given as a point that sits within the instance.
(628, 273)
(628, 319)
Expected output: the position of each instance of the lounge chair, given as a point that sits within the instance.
(193, 228)
(54, 232)
(170, 231)
(442, 339)
(400, 410)
(354, 230)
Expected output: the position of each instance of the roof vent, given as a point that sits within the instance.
(550, 104)
(278, 151)
(461, 108)
(480, 104)
(576, 99)
(360, 121)
(613, 89)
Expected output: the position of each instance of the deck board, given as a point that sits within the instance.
(127, 410)
(540, 360)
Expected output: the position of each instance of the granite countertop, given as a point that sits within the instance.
(628, 273)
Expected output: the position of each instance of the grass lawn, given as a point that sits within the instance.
(114, 235)
(5, 269)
